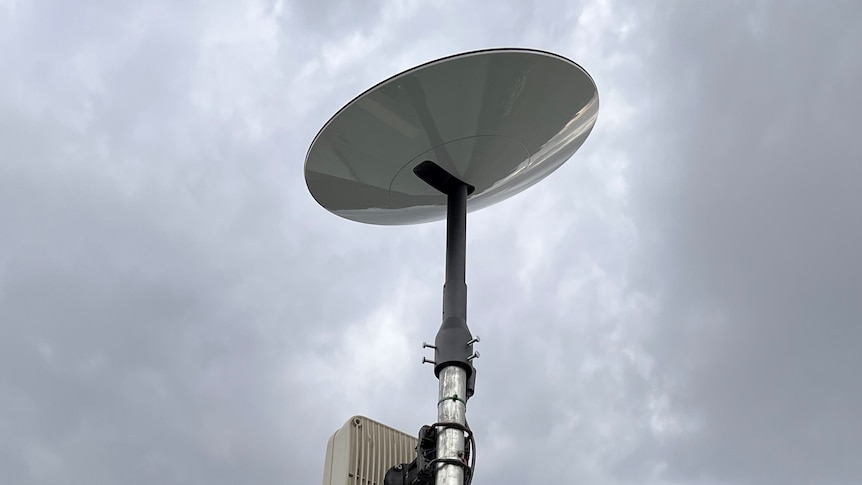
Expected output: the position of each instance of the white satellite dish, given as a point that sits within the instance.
(499, 120)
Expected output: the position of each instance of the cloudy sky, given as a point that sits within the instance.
(681, 303)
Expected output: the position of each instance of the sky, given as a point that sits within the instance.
(680, 303)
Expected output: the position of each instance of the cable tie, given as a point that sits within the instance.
(452, 398)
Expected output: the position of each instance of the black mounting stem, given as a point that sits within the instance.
(454, 341)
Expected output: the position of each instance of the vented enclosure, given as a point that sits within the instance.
(363, 450)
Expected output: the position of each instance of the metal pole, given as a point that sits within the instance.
(453, 346)
(450, 442)
(452, 398)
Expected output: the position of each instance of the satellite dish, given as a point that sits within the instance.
(499, 120)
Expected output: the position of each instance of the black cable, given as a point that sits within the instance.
(471, 452)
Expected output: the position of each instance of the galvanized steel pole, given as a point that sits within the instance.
(450, 442)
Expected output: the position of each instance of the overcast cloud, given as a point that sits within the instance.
(678, 304)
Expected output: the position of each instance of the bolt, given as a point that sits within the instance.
(473, 341)
(474, 356)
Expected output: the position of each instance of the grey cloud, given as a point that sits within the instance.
(141, 241)
(748, 195)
